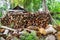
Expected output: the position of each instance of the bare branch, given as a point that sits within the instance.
(5, 27)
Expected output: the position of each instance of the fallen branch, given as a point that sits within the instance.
(5, 27)
(14, 30)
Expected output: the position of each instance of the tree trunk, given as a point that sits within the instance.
(45, 9)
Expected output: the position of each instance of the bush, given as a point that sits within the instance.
(29, 36)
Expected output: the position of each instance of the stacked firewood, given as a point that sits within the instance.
(24, 20)
(38, 22)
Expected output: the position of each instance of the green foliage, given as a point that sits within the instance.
(29, 36)
(53, 5)
(34, 5)
(3, 6)
(56, 17)
(14, 3)
(29, 5)
(0, 14)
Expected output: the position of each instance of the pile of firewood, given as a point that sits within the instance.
(23, 20)
(39, 22)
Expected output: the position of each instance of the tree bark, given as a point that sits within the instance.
(45, 9)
